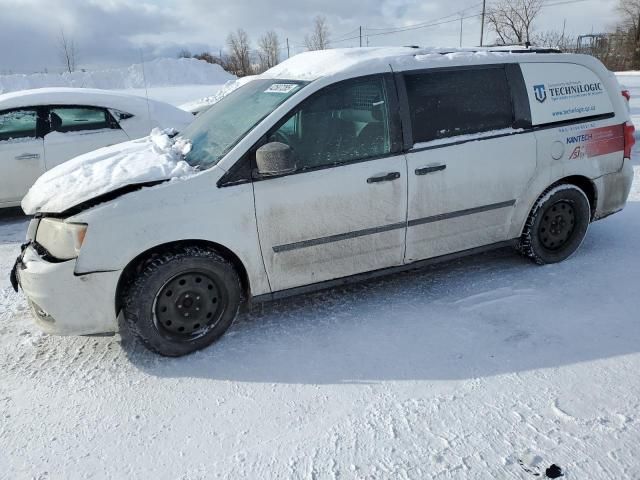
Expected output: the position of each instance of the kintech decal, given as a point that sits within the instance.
(595, 141)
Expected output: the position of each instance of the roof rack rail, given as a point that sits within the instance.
(526, 50)
(491, 48)
(524, 47)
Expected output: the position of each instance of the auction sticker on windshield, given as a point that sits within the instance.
(281, 88)
(560, 92)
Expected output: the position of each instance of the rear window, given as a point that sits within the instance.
(560, 92)
(458, 102)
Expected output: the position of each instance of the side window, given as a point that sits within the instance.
(344, 122)
(75, 119)
(18, 124)
(458, 102)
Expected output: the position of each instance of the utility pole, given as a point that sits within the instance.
(461, 17)
(361, 36)
(287, 47)
(484, 5)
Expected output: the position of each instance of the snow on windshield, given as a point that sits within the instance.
(153, 158)
(202, 104)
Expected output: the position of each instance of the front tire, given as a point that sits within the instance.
(182, 300)
(557, 225)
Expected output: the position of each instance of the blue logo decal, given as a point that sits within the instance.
(540, 93)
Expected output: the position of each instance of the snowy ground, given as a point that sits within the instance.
(487, 367)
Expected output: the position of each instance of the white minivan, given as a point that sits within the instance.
(333, 166)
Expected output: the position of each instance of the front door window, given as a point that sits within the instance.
(342, 123)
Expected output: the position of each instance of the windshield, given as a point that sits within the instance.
(219, 129)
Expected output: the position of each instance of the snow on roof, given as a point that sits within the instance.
(324, 63)
(78, 96)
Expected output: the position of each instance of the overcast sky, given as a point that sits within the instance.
(116, 32)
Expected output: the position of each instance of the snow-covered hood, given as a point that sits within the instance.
(150, 159)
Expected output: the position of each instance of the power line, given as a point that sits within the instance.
(435, 24)
(429, 21)
(426, 24)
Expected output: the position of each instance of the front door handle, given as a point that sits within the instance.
(384, 178)
(430, 169)
(28, 156)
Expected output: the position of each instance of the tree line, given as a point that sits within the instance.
(242, 59)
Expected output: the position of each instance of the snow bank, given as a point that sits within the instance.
(158, 73)
(148, 159)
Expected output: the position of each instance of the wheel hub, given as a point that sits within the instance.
(187, 305)
(557, 225)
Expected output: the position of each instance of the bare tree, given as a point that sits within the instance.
(269, 50)
(629, 10)
(68, 51)
(319, 38)
(239, 59)
(512, 19)
(184, 53)
(555, 39)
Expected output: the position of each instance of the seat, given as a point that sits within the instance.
(55, 122)
(371, 140)
(324, 139)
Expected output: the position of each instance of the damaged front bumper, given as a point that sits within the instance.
(62, 302)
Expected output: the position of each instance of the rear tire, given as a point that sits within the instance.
(557, 225)
(182, 300)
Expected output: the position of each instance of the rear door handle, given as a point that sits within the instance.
(384, 178)
(28, 156)
(429, 169)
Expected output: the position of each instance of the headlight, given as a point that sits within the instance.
(61, 239)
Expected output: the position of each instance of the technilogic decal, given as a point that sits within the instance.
(566, 90)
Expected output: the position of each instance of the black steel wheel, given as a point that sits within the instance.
(189, 305)
(182, 300)
(556, 225)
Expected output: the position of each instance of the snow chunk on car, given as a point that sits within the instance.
(153, 158)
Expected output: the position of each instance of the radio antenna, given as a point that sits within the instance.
(146, 90)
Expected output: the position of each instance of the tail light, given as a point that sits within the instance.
(629, 138)
(626, 94)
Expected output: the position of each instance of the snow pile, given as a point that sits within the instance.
(157, 73)
(199, 105)
(148, 159)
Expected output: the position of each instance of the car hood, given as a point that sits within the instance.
(151, 159)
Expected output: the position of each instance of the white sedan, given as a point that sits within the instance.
(42, 128)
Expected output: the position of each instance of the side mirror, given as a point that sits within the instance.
(275, 158)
